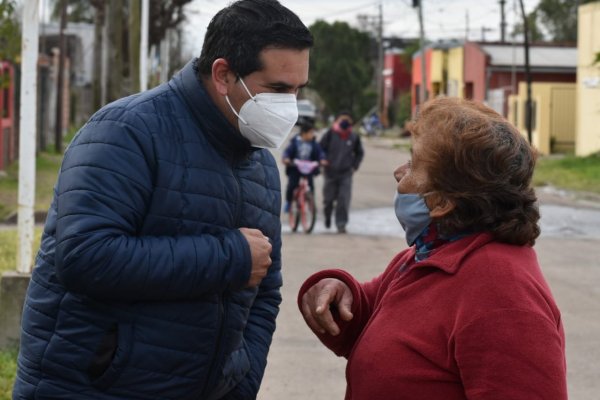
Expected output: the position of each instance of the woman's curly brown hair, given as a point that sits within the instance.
(480, 162)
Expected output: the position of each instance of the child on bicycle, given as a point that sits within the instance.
(303, 146)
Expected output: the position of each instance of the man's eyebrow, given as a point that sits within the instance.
(284, 85)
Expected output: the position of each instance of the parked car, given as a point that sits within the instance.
(307, 111)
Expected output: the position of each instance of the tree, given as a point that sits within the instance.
(340, 67)
(117, 50)
(559, 17)
(99, 18)
(10, 35)
(164, 15)
(535, 34)
(135, 38)
(77, 10)
(403, 109)
(123, 22)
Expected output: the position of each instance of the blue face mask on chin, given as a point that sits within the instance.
(412, 213)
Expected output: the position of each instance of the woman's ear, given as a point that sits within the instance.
(221, 74)
(440, 206)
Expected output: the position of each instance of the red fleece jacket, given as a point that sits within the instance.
(476, 320)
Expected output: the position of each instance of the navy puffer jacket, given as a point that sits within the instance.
(138, 290)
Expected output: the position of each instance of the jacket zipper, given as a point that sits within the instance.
(238, 205)
(213, 370)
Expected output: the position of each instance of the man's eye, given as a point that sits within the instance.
(278, 89)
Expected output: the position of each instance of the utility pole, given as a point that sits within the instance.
(466, 25)
(502, 21)
(422, 91)
(134, 40)
(115, 34)
(60, 90)
(483, 31)
(99, 22)
(165, 56)
(513, 72)
(577, 14)
(105, 56)
(27, 136)
(144, 46)
(380, 101)
(528, 108)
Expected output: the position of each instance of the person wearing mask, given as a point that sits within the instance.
(344, 152)
(159, 271)
(305, 147)
(465, 312)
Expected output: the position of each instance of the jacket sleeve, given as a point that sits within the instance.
(320, 154)
(359, 153)
(324, 142)
(104, 188)
(362, 308)
(365, 297)
(260, 327)
(512, 354)
(290, 150)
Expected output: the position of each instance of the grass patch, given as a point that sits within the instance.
(8, 368)
(8, 262)
(569, 172)
(47, 166)
(405, 146)
(8, 247)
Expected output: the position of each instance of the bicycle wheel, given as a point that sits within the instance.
(294, 215)
(308, 214)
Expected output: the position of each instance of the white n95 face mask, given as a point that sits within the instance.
(266, 119)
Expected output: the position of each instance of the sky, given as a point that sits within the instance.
(442, 19)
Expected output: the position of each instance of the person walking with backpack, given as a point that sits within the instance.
(344, 153)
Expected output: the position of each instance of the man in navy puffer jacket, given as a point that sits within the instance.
(159, 271)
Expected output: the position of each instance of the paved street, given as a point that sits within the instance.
(300, 368)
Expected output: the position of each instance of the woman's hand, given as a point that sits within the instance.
(317, 303)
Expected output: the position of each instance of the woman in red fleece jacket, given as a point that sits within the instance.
(464, 312)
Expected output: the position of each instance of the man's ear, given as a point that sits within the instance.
(442, 206)
(221, 74)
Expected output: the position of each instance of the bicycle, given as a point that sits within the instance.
(303, 210)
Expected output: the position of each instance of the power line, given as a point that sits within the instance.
(349, 10)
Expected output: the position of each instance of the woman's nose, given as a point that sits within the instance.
(400, 172)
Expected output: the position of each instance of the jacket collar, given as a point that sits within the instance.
(450, 256)
(226, 139)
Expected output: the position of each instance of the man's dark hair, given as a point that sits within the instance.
(239, 32)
